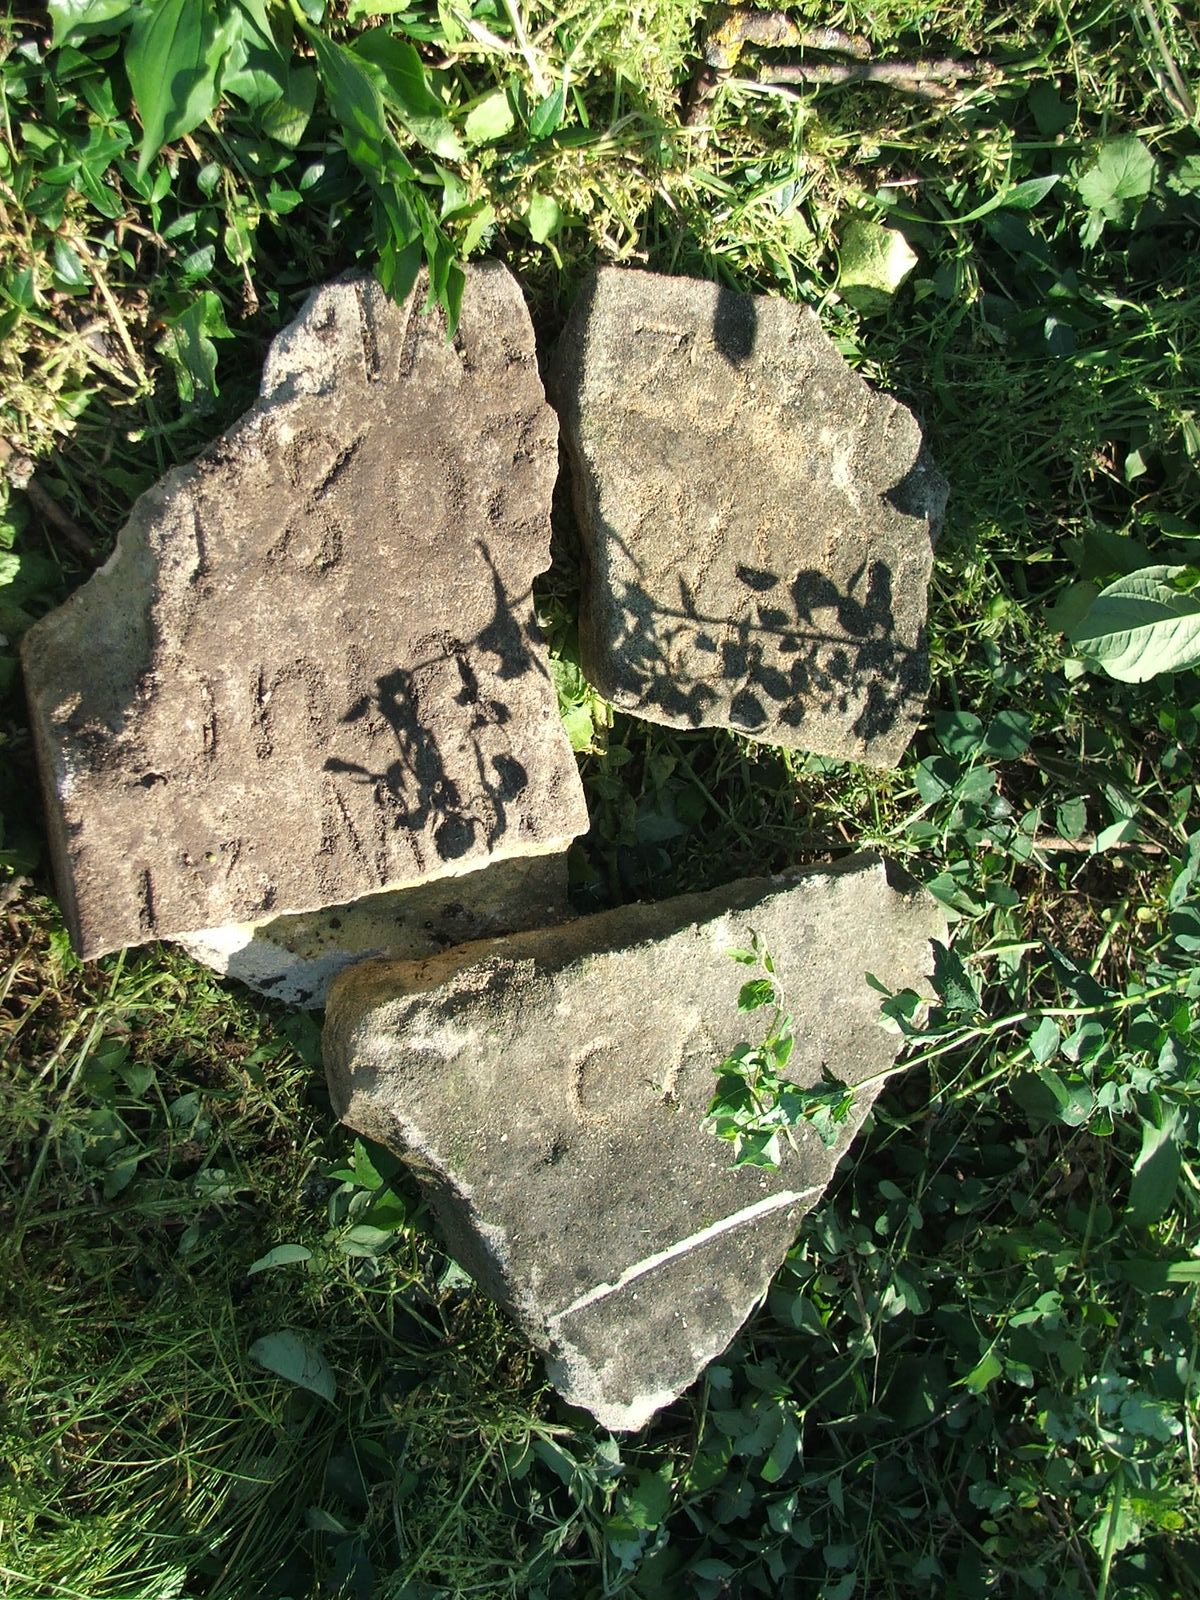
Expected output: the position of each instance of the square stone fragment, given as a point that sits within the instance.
(757, 523)
(311, 669)
(549, 1090)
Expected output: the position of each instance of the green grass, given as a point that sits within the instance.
(976, 1375)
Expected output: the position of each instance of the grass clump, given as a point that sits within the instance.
(976, 1375)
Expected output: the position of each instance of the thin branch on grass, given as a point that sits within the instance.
(19, 470)
(1086, 844)
(734, 27)
(928, 80)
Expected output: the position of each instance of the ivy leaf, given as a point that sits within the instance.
(1044, 1041)
(283, 1255)
(545, 118)
(543, 216)
(489, 119)
(1143, 624)
(172, 59)
(955, 986)
(758, 992)
(188, 345)
(1119, 179)
(297, 1360)
(646, 1504)
(874, 263)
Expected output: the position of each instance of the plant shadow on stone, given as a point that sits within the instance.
(789, 647)
(454, 784)
(779, 659)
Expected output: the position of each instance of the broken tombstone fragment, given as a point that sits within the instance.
(311, 669)
(758, 524)
(294, 959)
(549, 1091)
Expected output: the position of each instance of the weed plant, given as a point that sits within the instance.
(233, 1361)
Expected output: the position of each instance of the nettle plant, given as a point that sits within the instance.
(754, 1106)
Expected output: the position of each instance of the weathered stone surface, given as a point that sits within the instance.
(758, 523)
(549, 1090)
(311, 669)
(294, 959)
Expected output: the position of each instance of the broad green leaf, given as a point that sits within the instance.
(366, 1240)
(283, 1255)
(1120, 177)
(1149, 1418)
(295, 1359)
(1074, 1102)
(1100, 553)
(1155, 1173)
(80, 16)
(489, 119)
(355, 101)
(581, 730)
(285, 119)
(545, 118)
(1153, 1275)
(68, 268)
(403, 82)
(1026, 194)
(255, 69)
(960, 733)
(1008, 735)
(783, 1453)
(1086, 989)
(1119, 832)
(1117, 1527)
(543, 216)
(874, 263)
(759, 1150)
(1022, 196)
(1143, 624)
(366, 1174)
(375, 8)
(172, 59)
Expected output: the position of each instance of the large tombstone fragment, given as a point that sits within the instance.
(758, 524)
(311, 670)
(549, 1090)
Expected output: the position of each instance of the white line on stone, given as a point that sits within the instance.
(760, 1208)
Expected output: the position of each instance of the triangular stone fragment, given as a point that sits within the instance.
(549, 1090)
(311, 669)
(758, 523)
